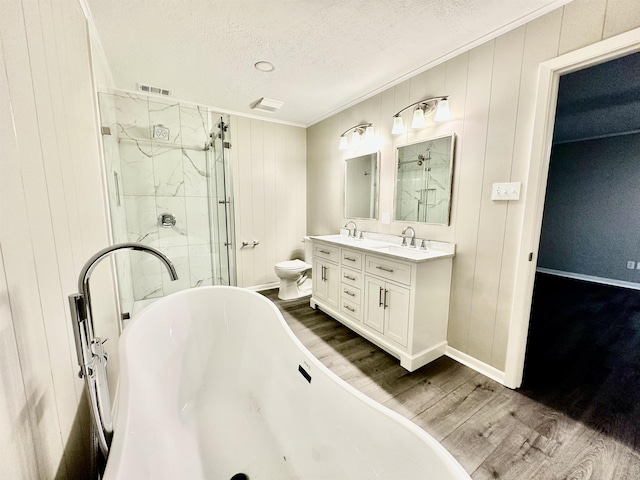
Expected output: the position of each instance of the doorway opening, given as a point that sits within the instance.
(542, 141)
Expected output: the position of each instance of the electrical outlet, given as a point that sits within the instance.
(631, 264)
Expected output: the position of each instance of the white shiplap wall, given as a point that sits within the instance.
(269, 170)
(492, 91)
(52, 218)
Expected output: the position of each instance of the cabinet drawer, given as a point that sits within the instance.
(352, 259)
(351, 294)
(351, 277)
(351, 309)
(389, 269)
(327, 252)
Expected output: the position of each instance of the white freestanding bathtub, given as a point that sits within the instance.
(214, 384)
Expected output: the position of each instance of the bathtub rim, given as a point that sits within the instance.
(121, 410)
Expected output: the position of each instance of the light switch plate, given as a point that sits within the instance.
(505, 191)
(385, 218)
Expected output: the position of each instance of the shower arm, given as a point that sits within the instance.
(89, 350)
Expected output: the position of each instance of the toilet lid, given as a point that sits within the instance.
(292, 265)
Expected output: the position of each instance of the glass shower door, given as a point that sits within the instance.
(221, 202)
(169, 182)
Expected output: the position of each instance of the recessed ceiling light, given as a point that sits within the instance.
(264, 66)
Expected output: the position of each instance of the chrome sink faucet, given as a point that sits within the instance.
(413, 236)
(89, 349)
(355, 227)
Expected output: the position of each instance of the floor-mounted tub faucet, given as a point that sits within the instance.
(413, 236)
(89, 350)
(355, 227)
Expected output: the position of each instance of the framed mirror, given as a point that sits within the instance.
(361, 186)
(423, 181)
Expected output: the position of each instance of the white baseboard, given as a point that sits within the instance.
(480, 367)
(590, 278)
(266, 286)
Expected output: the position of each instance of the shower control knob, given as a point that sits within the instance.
(166, 220)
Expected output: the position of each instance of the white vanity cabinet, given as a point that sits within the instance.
(396, 303)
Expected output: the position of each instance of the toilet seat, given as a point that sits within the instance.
(292, 265)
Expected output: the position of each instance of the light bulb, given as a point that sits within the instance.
(398, 126)
(355, 139)
(368, 133)
(442, 113)
(418, 119)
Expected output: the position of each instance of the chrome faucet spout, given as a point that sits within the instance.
(355, 227)
(90, 352)
(90, 265)
(413, 236)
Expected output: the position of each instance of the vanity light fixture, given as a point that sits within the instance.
(423, 107)
(360, 130)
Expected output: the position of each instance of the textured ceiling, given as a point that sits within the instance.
(328, 54)
(599, 101)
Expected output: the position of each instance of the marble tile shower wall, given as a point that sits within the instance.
(165, 176)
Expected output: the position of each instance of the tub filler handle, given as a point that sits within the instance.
(90, 352)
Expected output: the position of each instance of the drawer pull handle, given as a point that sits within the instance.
(351, 294)
(380, 267)
(325, 252)
(351, 259)
(353, 279)
(350, 309)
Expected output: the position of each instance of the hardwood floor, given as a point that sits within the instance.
(493, 431)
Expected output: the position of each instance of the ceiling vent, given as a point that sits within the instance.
(267, 105)
(156, 90)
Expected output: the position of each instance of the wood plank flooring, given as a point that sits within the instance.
(494, 432)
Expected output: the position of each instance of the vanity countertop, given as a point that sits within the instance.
(387, 247)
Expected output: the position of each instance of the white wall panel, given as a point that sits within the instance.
(270, 191)
(503, 108)
(52, 219)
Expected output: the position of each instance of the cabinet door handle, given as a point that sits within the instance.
(353, 279)
(325, 252)
(351, 259)
(380, 267)
(351, 294)
(323, 273)
(385, 298)
(350, 309)
(380, 297)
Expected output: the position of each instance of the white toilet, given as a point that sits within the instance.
(294, 276)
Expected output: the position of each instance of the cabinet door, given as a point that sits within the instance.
(326, 282)
(332, 282)
(397, 313)
(318, 285)
(374, 304)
